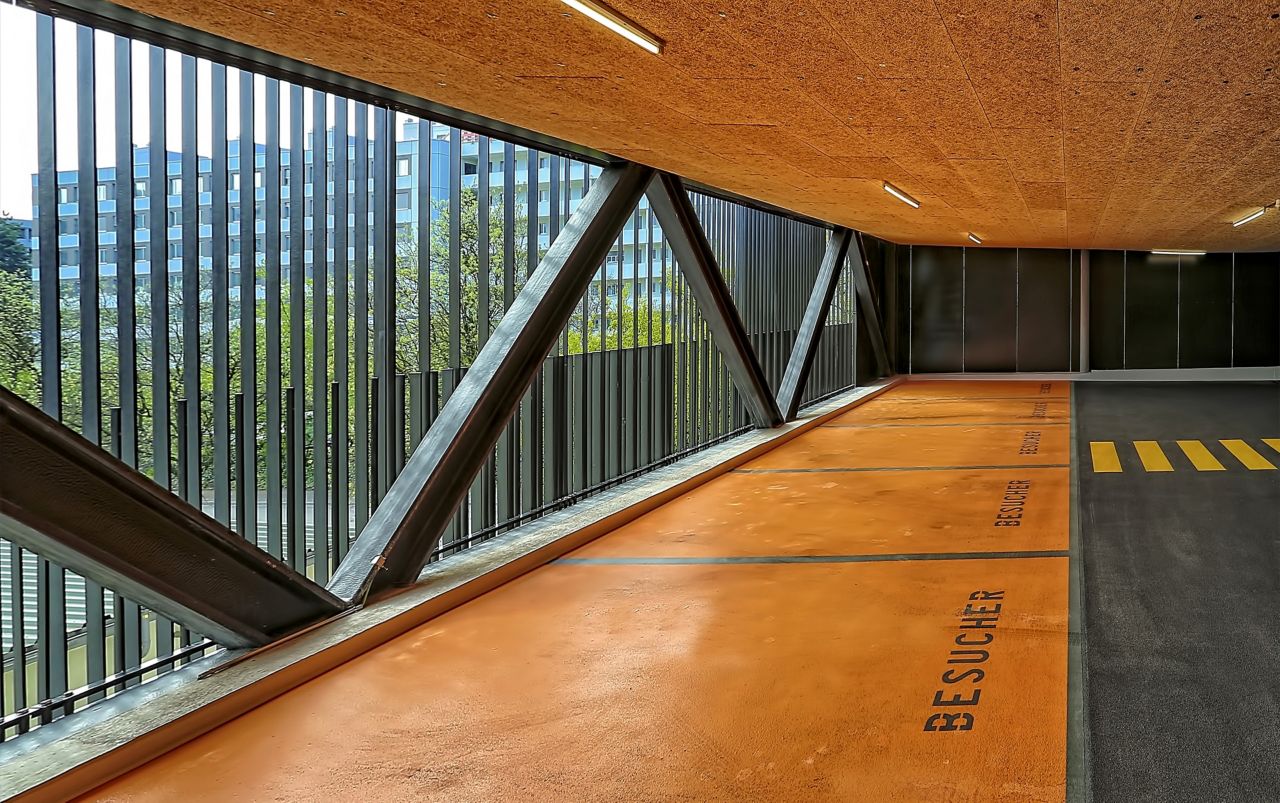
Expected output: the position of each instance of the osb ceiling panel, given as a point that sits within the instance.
(1082, 123)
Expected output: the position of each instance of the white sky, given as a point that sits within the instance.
(18, 155)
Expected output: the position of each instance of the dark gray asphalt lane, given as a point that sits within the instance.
(1182, 597)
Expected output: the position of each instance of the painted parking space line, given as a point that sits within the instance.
(747, 560)
(1154, 459)
(1022, 424)
(1152, 456)
(847, 469)
(1247, 455)
(1200, 456)
(1105, 458)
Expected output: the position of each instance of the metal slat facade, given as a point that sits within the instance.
(332, 268)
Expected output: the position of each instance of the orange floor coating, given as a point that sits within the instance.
(600, 681)
(979, 389)
(833, 447)
(898, 411)
(806, 513)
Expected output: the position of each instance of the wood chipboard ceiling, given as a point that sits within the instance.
(1082, 123)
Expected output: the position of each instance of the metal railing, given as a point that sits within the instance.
(325, 271)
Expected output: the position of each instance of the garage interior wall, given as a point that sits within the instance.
(1018, 309)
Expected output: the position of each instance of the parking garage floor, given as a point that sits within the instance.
(875, 610)
(879, 609)
(1180, 518)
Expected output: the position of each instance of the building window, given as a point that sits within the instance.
(402, 200)
(469, 168)
(175, 249)
(106, 256)
(235, 213)
(141, 220)
(140, 188)
(206, 216)
(139, 253)
(106, 192)
(175, 217)
(402, 166)
(202, 183)
(257, 179)
(234, 246)
(206, 248)
(68, 257)
(234, 182)
(68, 225)
(106, 222)
(68, 195)
(543, 162)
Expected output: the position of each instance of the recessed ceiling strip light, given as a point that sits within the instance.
(892, 190)
(1172, 252)
(617, 23)
(1251, 216)
(975, 238)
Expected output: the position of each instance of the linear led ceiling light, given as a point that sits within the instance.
(1251, 216)
(1257, 213)
(617, 23)
(892, 190)
(975, 239)
(1174, 252)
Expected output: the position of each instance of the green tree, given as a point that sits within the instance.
(19, 336)
(15, 257)
(437, 297)
(630, 317)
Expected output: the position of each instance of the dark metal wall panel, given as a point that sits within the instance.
(1204, 311)
(1106, 310)
(1151, 311)
(1077, 261)
(864, 365)
(1045, 301)
(902, 324)
(990, 308)
(937, 309)
(1256, 324)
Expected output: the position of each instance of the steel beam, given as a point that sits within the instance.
(867, 305)
(815, 318)
(682, 231)
(402, 533)
(76, 505)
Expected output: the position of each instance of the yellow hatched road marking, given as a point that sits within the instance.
(1248, 455)
(1274, 443)
(1105, 459)
(1200, 456)
(1152, 456)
